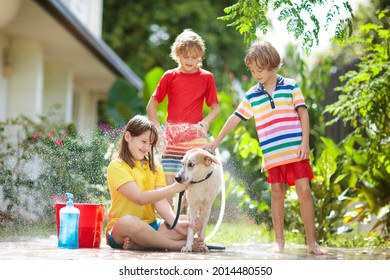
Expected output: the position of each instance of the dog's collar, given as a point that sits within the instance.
(208, 176)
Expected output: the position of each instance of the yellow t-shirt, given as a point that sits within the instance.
(119, 173)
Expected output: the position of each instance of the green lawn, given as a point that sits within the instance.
(229, 233)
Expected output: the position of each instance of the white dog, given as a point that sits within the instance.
(200, 170)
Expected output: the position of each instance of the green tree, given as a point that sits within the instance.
(363, 103)
(355, 177)
(122, 103)
(141, 32)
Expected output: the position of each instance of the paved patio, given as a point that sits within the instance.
(40, 258)
(46, 249)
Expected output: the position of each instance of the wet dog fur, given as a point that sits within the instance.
(201, 172)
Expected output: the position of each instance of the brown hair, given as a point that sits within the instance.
(185, 41)
(264, 55)
(137, 126)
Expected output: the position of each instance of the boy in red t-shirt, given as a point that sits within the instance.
(187, 88)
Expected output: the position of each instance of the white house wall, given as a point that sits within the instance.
(85, 110)
(58, 90)
(34, 86)
(54, 60)
(25, 83)
(3, 79)
(46, 65)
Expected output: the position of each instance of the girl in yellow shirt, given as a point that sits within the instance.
(138, 193)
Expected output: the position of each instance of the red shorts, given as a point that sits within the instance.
(291, 172)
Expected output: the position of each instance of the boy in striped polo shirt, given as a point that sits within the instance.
(282, 122)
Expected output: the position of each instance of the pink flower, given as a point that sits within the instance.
(36, 134)
(59, 142)
(50, 134)
(64, 133)
(105, 127)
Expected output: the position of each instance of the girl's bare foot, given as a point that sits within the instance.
(199, 245)
(128, 244)
(315, 249)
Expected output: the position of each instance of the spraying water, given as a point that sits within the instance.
(197, 131)
(223, 199)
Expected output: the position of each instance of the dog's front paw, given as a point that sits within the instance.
(186, 249)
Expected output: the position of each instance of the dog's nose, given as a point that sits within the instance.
(178, 179)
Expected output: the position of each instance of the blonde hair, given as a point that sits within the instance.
(264, 55)
(186, 41)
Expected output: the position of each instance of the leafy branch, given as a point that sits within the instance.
(248, 16)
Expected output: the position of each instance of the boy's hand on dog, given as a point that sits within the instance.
(210, 147)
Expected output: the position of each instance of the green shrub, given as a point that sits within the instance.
(46, 161)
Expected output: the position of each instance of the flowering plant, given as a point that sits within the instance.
(46, 160)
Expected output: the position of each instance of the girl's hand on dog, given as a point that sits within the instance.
(178, 187)
(182, 227)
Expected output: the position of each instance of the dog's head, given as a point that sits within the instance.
(197, 164)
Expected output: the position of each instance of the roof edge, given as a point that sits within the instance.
(97, 46)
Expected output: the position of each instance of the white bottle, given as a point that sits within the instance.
(69, 225)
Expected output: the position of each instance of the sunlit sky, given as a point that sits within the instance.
(279, 36)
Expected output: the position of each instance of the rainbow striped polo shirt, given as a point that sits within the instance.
(277, 121)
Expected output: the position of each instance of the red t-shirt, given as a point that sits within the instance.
(187, 93)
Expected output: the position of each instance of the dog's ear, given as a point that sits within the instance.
(210, 159)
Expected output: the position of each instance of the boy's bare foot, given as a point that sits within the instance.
(278, 248)
(128, 244)
(315, 249)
